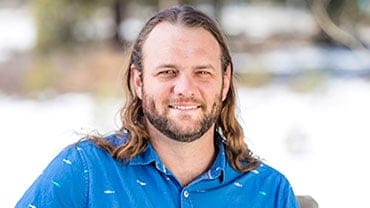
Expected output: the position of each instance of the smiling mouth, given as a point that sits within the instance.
(184, 107)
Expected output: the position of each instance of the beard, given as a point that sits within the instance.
(168, 127)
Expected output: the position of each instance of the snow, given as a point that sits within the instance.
(18, 31)
(318, 140)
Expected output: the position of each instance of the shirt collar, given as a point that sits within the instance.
(218, 167)
(146, 157)
(149, 156)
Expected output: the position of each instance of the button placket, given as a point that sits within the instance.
(185, 199)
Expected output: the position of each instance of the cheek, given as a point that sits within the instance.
(156, 89)
(154, 92)
(155, 95)
(213, 91)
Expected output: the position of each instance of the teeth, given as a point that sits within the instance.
(185, 107)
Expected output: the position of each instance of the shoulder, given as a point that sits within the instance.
(274, 185)
(91, 147)
(81, 154)
(118, 138)
(113, 140)
(264, 176)
(64, 173)
(275, 181)
(269, 174)
(265, 185)
(71, 169)
(266, 169)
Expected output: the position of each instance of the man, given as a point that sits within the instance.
(180, 144)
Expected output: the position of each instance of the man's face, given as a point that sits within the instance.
(182, 85)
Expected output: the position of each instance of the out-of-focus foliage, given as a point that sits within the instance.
(92, 27)
(41, 75)
(57, 20)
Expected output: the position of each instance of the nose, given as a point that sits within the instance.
(184, 86)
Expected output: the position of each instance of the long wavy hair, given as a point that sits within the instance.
(132, 117)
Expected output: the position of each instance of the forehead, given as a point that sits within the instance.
(179, 38)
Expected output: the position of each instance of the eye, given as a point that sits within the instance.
(204, 73)
(167, 73)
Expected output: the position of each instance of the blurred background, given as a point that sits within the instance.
(302, 66)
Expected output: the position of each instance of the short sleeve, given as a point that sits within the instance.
(62, 184)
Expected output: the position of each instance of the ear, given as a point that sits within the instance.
(136, 80)
(227, 81)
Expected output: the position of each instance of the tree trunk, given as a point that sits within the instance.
(119, 10)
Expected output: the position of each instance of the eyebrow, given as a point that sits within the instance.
(166, 66)
(205, 66)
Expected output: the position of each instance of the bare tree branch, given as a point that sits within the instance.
(330, 28)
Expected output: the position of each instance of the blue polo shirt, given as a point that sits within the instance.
(83, 175)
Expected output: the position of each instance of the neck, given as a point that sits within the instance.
(185, 160)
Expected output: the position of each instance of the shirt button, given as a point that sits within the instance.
(186, 194)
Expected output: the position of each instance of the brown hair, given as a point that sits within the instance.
(132, 117)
